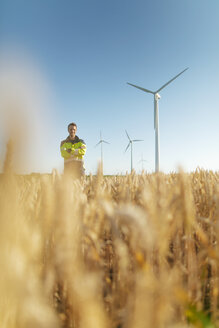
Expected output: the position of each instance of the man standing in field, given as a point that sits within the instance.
(73, 150)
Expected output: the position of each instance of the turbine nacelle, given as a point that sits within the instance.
(157, 96)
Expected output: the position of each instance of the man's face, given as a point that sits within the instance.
(72, 131)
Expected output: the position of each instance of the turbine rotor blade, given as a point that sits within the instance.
(146, 90)
(137, 140)
(163, 86)
(128, 146)
(98, 143)
(105, 142)
(127, 135)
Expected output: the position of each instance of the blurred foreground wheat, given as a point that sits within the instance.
(132, 251)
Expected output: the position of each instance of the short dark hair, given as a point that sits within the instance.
(74, 124)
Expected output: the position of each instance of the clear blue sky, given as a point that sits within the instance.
(85, 51)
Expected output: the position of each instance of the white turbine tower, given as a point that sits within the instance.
(156, 117)
(101, 147)
(130, 143)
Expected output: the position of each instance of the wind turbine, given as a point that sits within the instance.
(142, 161)
(156, 116)
(130, 143)
(101, 147)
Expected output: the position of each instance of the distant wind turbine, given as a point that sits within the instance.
(130, 143)
(142, 161)
(156, 117)
(101, 147)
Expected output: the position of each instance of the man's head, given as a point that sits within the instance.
(72, 128)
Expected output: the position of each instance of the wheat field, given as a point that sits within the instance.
(132, 251)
